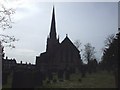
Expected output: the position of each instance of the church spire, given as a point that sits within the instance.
(53, 27)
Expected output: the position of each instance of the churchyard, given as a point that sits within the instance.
(100, 79)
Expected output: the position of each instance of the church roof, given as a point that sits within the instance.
(67, 42)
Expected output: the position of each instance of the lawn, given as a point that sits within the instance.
(101, 79)
(94, 80)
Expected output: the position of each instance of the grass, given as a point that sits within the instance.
(95, 80)
(101, 79)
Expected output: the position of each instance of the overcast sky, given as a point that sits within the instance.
(85, 21)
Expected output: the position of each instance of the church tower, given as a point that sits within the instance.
(52, 41)
(58, 56)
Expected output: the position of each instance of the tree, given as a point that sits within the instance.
(89, 57)
(109, 40)
(5, 17)
(107, 55)
(110, 57)
(89, 52)
(5, 23)
(110, 52)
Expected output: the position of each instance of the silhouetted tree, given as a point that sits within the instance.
(89, 52)
(110, 56)
(88, 55)
(110, 53)
(109, 40)
(107, 52)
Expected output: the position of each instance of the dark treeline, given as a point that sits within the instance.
(110, 59)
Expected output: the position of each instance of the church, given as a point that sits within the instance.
(58, 56)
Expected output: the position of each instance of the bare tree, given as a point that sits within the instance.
(5, 17)
(89, 52)
(6, 22)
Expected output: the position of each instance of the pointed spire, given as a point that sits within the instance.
(53, 27)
